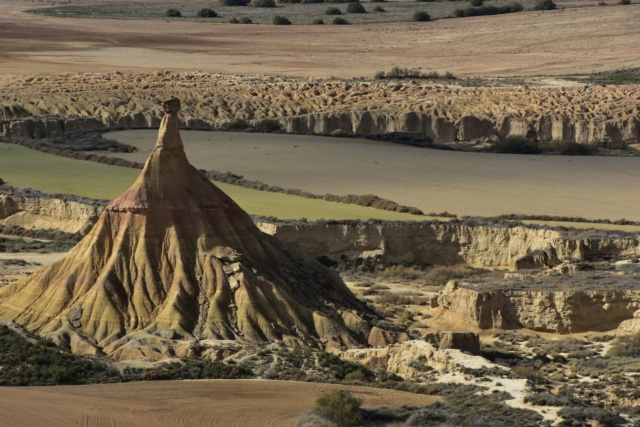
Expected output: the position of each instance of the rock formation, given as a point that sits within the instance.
(576, 113)
(175, 258)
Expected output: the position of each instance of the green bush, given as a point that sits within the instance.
(378, 1)
(234, 2)
(624, 2)
(312, 1)
(544, 5)
(317, 21)
(579, 416)
(246, 20)
(628, 346)
(172, 13)
(206, 13)
(341, 408)
(421, 16)
(332, 11)
(264, 3)
(356, 8)
(289, 1)
(425, 1)
(268, 126)
(476, 3)
(237, 124)
(281, 20)
(233, 21)
(515, 145)
(575, 149)
(340, 21)
(488, 10)
(379, 9)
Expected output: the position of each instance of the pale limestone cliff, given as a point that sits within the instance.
(548, 311)
(495, 246)
(578, 113)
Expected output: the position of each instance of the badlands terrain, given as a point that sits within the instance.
(457, 321)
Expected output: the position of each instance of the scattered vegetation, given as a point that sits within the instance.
(235, 2)
(281, 20)
(246, 20)
(340, 21)
(195, 369)
(624, 2)
(340, 407)
(476, 3)
(356, 7)
(488, 10)
(264, 3)
(378, 9)
(544, 5)
(206, 12)
(421, 16)
(172, 13)
(333, 11)
(618, 77)
(317, 21)
(412, 73)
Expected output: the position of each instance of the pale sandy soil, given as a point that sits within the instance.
(10, 271)
(432, 180)
(578, 40)
(179, 403)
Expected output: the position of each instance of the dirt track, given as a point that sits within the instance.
(564, 41)
(179, 403)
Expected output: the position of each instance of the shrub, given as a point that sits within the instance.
(206, 13)
(1, 181)
(378, 1)
(234, 2)
(264, 3)
(476, 3)
(246, 20)
(488, 10)
(579, 416)
(421, 16)
(237, 124)
(172, 13)
(268, 125)
(575, 149)
(515, 145)
(624, 2)
(628, 346)
(312, 1)
(426, 1)
(340, 21)
(544, 5)
(234, 21)
(340, 407)
(379, 9)
(289, 1)
(317, 21)
(332, 11)
(356, 8)
(281, 20)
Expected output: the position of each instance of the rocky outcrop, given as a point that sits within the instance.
(476, 244)
(175, 258)
(546, 311)
(468, 342)
(48, 213)
(410, 359)
(578, 113)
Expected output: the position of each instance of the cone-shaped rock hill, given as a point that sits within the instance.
(175, 258)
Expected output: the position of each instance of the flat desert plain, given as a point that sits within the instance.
(431, 180)
(564, 41)
(180, 403)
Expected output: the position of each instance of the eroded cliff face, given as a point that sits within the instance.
(546, 311)
(583, 114)
(48, 213)
(489, 246)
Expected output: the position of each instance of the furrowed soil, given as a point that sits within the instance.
(180, 403)
(564, 41)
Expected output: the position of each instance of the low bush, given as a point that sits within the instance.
(421, 16)
(312, 1)
(281, 20)
(356, 8)
(172, 13)
(333, 11)
(264, 3)
(340, 21)
(340, 407)
(476, 3)
(317, 21)
(412, 73)
(515, 145)
(579, 416)
(233, 21)
(268, 126)
(379, 9)
(628, 346)
(246, 20)
(624, 2)
(238, 124)
(378, 1)
(544, 5)
(234, 2)
(488, 10)
(575, 149)
(289, 1)
(206, 13)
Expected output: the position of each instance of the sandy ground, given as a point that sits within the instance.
(432, 180)
(577, 40)
(10, 270)
(179, 403)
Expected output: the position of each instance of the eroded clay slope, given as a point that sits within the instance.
(174, 257)
(49, 105)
